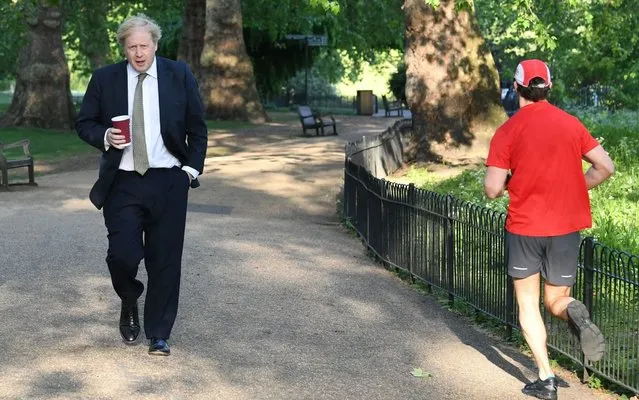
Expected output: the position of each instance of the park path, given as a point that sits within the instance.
(278, 301)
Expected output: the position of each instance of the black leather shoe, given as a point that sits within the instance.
(159, 347)
(129, 322)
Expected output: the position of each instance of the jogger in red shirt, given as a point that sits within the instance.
(537, 154)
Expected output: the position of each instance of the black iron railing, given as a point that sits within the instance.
(458, 247)
(320, 102)
(329, 102)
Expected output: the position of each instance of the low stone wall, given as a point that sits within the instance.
(383, 154)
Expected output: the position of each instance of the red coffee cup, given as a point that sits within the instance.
(123, 123)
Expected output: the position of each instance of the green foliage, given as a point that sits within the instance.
(85, 35)
(275, 62)
(615, 204)
(350, 25)
(90, 30)
(362, 29)
(585, 42)
(317, 85)
(13, 34)
(594, 382)
(354, 25)
(169, 16)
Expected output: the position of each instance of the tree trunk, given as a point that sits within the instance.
(226, 72)
(192, 41)
(452, 84)
(42, 96)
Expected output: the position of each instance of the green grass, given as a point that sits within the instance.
(46, 145)
(54, 145)
(468, 186)
(5, 102)
(615, 205)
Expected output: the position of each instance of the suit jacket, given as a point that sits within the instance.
(182, 122)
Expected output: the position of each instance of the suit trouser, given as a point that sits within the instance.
(145, 218)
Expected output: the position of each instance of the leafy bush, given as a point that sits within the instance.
(318, 85)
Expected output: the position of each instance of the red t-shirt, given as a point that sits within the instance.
(543, 147)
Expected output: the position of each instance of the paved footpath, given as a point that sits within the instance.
(278, 301)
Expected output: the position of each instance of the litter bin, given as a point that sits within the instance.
(365, 102)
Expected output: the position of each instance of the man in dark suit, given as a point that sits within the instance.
(143, 185)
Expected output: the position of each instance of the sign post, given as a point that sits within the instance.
(312, 41)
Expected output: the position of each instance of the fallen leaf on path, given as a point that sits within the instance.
(420, 373)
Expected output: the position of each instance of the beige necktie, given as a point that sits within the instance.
(140, 158)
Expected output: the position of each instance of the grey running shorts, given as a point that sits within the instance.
(556, 257)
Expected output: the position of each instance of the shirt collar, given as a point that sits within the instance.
(152, 71)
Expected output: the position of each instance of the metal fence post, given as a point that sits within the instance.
(511, 318)
(345, 194)
(589, 277)
(412, 231)
(368, 210)
(450, 252)
(510, 309)
(358, 201)
(385, 230)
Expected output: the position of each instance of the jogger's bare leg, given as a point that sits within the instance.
(556, 300)
(531, 322)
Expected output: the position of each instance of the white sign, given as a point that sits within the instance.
(315, 40)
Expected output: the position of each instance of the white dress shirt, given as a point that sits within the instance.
(159, 156)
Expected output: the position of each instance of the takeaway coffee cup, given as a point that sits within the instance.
(122, 122)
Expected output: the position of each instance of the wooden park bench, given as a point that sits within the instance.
(390, 106)
(314, 120)
(10, 162)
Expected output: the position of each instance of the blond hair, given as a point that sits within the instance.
(138, 21)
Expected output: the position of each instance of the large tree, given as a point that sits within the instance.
(42, 96)
(452, 84)
(226, 73)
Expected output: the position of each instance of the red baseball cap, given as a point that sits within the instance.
(529, 69)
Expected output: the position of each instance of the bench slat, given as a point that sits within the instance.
(19, 163)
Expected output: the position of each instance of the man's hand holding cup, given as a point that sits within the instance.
(119, 136)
